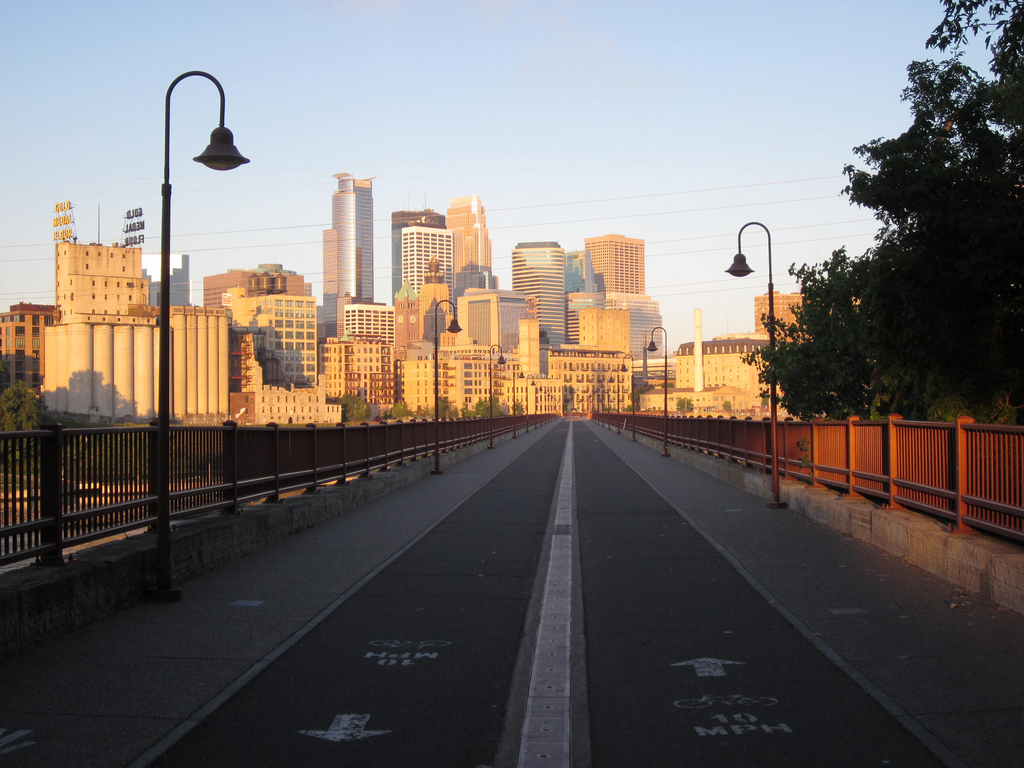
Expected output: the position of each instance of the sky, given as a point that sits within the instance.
(675, 122)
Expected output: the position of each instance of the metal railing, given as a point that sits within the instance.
(62, 488)
(969, 474)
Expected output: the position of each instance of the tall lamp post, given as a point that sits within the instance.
(453, 327)
(652, 347)
(219, 155)
(740, 268)
(501, 361)
(528, 392)
(632, 400)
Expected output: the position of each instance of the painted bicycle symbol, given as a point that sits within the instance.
(737, 700)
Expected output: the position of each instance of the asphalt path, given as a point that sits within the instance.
(687, 664)
(415, 668)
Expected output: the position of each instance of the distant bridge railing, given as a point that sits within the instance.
(969, 474)
(62, 488)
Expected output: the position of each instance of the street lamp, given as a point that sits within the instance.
(515, 401)
(501, 361)
(219, 155)
(740, 268)
(528, 392)
(632, 400)
(453, 327)
(652, 347)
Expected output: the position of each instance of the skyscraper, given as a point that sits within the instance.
(472, 263)
(420, 247)
(538, 270)
(399, 221)
(618, 263)
(348, 248)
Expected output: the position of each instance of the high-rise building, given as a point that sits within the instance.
(618, 263)
(574, 303)
(472, 245)
(538, 270)
(784, 303)
(579, 272)
(605, 329)
(22, 343)
(369, 321)
(492, 317)
(644, 316)
(348, 249)
(284, 331)
(266, 279)
(359, 368)
(420, 247)
(399, 221)
(181, 283)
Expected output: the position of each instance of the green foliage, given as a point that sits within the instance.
(684, 404)
(401, 411)
(354, 410)
(483, 407)
(20, 409)
(944, 294)
(823, 360)
(929, 323)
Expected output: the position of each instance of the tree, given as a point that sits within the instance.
(354, 409)
(824, 360)
(20, 409)
(483, 407)
(944, 293)
(401, 411)
(684, 404)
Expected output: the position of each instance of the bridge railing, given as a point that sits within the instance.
(61, 488)
(969, 474)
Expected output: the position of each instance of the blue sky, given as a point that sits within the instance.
(675, 122)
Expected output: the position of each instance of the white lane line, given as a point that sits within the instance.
(546, 730)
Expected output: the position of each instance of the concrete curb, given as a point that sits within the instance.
(990, 568)
(41, 603)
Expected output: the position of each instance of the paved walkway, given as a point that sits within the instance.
(567, 598)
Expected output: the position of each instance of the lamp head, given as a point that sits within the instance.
(739, 267)
(221, 154)
(501, 359)
(652, 347)
(454, 327)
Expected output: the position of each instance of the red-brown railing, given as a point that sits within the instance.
(970, 474)
(61, 488)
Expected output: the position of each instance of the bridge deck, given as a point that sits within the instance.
(558, 600)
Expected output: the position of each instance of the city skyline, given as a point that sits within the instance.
(685, 142)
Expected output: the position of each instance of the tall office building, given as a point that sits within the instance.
(618, 263)
(644, 316)
(262, 281)
(579, 272)
(420, 247)
(348, 249)
(181, 284)
(492, 317)
(399, 221)
(472, 243)
(538, 270)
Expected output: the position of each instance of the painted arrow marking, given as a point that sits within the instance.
(707, 667)
(5, 741)
(346, 728)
